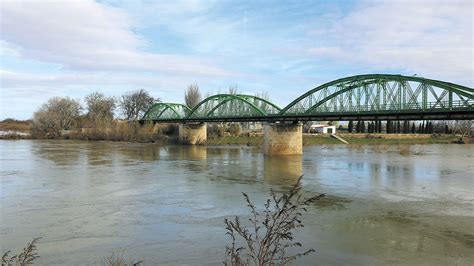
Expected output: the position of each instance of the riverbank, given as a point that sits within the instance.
(15, 129)
(313, 139)
(167, 134)
(308, 139)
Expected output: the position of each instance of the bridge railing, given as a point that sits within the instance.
(399, 108)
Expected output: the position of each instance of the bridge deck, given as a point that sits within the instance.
(433, 115)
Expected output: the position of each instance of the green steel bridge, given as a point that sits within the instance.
(362, 97)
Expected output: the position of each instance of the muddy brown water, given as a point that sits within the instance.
(410, 205)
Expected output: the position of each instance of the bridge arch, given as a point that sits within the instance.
(233, 105)
(381, 93)
(164, 111)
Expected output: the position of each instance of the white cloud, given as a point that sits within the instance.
(22, 92)
(430, 38)
(85, 35)
(283, 48)
(92, 80)
(8, 49)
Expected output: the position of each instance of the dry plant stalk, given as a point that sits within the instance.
(118, 259)
(26, 257)
(271, 231)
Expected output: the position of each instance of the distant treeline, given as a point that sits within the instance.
(404, 127)
(111, 118)
(60, 115)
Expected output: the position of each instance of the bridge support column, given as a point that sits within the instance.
(193, 133)
(282, 138)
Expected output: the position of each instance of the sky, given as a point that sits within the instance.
(72, 48)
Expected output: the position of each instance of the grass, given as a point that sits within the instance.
(309, 140)
(445, 139)
(258, 140)
(319, 140)
(29, 255)
(235, 140)
(15, 125)
(121, 131)
(16, 129)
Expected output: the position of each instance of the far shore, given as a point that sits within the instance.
(358, 138)
(11, 129)
(308, 139)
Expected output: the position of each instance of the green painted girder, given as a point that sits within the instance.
(368, 94)
(356, 88)
(166, 111)
(234, 104)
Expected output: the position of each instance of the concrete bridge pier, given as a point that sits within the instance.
(283, 138)
(193, 133)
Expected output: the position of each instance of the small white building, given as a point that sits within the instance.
(322, 129)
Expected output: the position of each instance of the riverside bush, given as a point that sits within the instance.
(270, 233)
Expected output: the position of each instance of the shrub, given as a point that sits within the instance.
(221, 130)
(235, 129)
(55, 115)
(118, 259)
(26, 257)
(170, 129)
(215, 130)
(271, 231)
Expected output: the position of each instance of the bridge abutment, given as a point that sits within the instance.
(193, 133)
(282, 138)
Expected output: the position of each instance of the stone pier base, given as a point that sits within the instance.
(282, 139)
(193, 133)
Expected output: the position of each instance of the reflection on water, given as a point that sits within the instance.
(166, 204)
(58, 153)
(282, 170)
(190, 153)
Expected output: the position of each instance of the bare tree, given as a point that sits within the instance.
(263, 94)
(463, 127)
(192, 96)
(55, 115)
(136, 103)
(262, 105)
(100, 107)
(233, 89)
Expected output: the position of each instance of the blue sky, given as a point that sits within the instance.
(72, 48)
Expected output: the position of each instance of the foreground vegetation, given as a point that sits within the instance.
(270, 234)
(25, 257)
(266, 241)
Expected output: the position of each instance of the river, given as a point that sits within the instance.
(166, 204)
